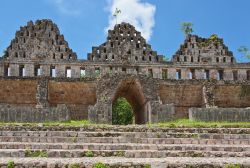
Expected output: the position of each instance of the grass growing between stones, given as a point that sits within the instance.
(181, 123)
(100, 165)
(10, 164)
(39, 153)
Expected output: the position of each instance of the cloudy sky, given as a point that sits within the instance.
(84, 23)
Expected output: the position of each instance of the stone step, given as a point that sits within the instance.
(124, 134)
(130, 128)
(114, 162)
(125, 146)
(123, 140)
(117, 153)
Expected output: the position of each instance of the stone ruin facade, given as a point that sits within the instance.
(123, 66)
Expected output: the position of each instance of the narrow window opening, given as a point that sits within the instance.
(6, 70)
(220, 74)
(68, 72)
(206, 74)
(224, 59)
(192, 74)
(178, 59)
(164, 73)
(192, 59)
(124, 69)
(217, 59)
(52, 71)
(235, 75)
(21, 70)
(178, 74)
(185, 59)
(97, 71)
(82, 72)
(150, 72)
(248, 75)
(37, 70)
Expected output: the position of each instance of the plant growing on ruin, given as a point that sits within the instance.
(122, 113)
(213, 39)
(233, 166)
(10, 164)
(89, 154)
(38, 153)
(75, 165)
(5, 54)
(100, 165)
(147, 166)
(245, 51)
(187, 28)
(165, 58)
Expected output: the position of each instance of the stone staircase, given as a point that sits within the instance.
(124, 146)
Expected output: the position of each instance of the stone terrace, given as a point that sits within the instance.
(120, 146)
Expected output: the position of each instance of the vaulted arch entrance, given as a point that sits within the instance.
(140, 91)
(132, 92)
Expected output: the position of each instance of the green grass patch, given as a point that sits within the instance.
(38, 153)
(100, 165)
(181, 123)
(52, 123)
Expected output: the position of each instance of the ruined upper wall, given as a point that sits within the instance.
(124, 45)
(39, 41)
(204, 51)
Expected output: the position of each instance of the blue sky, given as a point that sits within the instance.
(83, 22)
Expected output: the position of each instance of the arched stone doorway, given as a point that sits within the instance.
(140, 91)
(131, 90)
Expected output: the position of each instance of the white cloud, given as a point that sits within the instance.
(68, 7)
(138, 13)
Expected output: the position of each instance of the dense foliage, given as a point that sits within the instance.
(122, 112)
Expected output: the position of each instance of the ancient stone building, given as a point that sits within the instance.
(42, 79)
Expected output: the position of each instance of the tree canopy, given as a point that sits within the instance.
(122, 112)
(187, 28)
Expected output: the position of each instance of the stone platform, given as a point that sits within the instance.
(120, 146)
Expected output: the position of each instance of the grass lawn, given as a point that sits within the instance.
(170, 124)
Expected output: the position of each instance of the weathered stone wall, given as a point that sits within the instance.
(42, 95)
(18, 92)
(76, 95)
(188, 94)
(182, 95)
(30, 114)
(220, 114)
(237, 95)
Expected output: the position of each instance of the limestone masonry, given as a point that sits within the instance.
(41, 78)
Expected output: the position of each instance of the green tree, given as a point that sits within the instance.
(122, 112)
(245, 51)
(165, 58)
(187, 28)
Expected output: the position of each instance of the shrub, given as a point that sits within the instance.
(10, 164)
(122, 113)
(29, 153)
(100, 165)
(89, 154)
